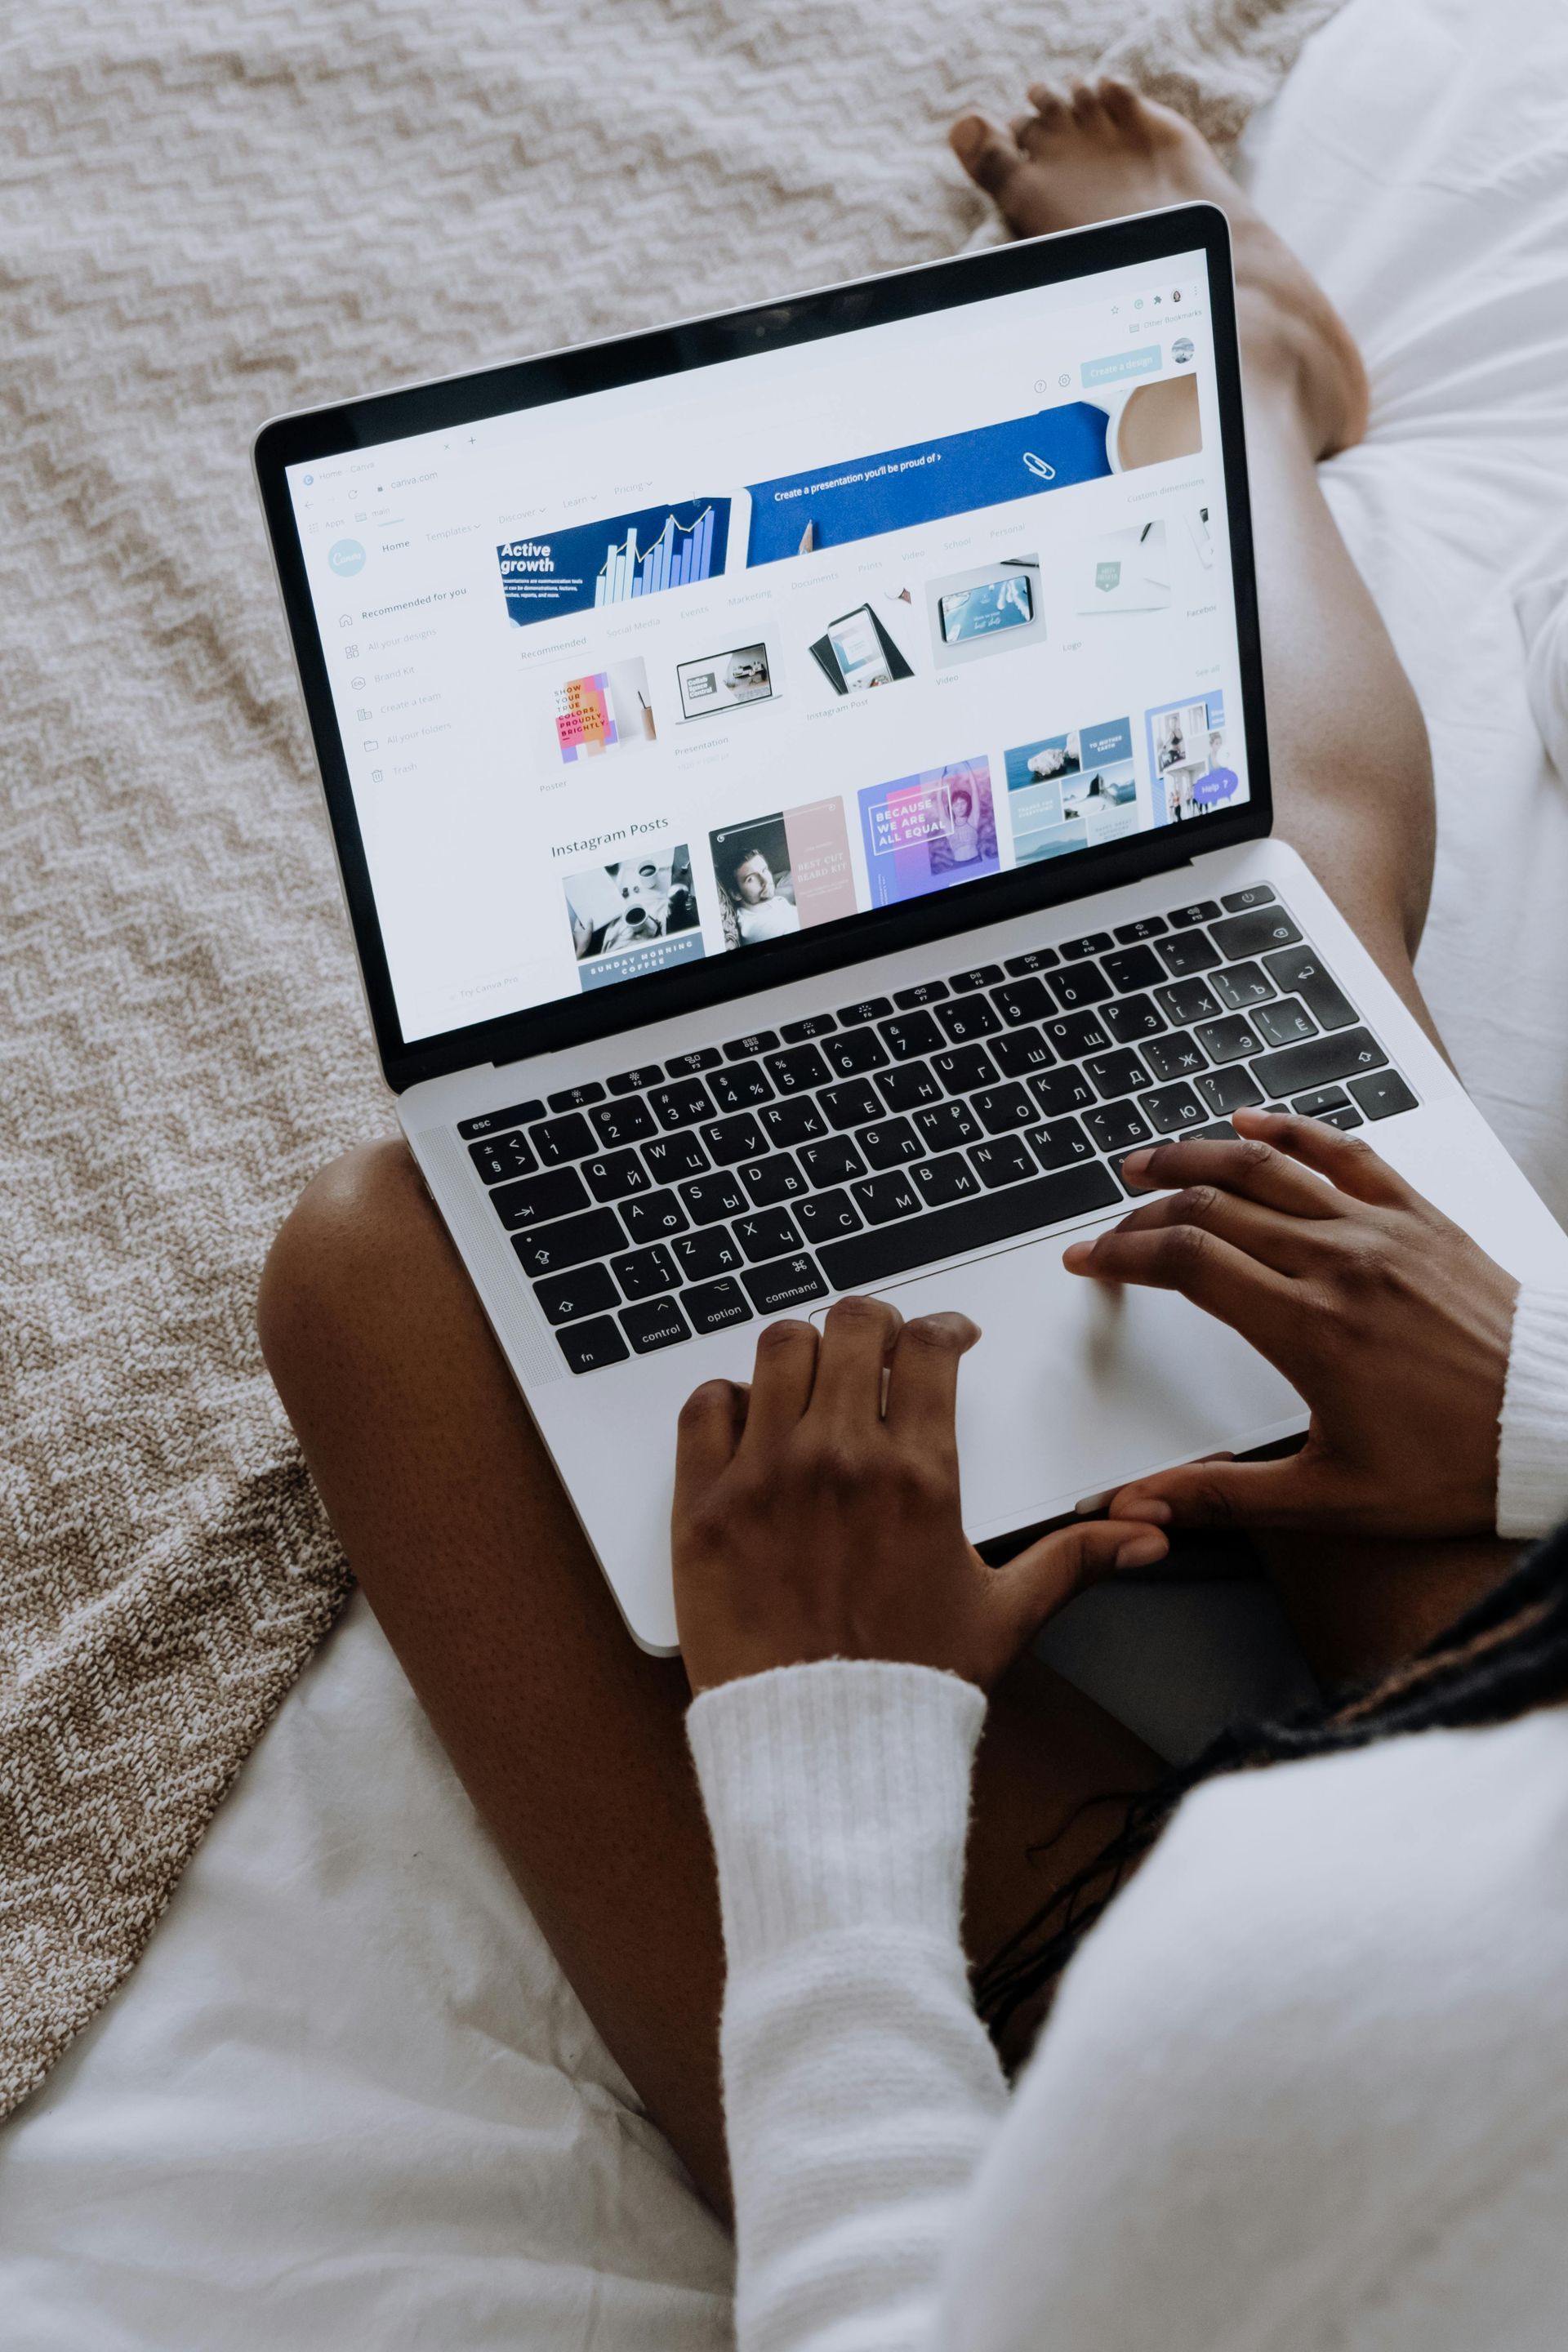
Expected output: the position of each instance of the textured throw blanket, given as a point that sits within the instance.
(217, 210)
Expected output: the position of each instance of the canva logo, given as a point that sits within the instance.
(346, 558)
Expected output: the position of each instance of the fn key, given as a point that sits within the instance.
(587, 1346)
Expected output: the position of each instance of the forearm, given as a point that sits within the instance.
(860, 2088)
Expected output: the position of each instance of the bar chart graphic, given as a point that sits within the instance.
(609, 562)
(681, 552)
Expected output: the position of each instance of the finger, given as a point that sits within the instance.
(989, 156)
(781, 1383)
(1348, 1163)
(705, 1439)
(1291, 1246)
(1040, 1580)
(857, 1336)
(1215, 1274)
(1219, 1494)
(922, 1380)
(1248, 1165)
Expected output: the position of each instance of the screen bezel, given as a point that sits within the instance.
(340, 430)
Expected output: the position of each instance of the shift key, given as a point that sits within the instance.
(1318, 1063)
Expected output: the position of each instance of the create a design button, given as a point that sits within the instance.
(1120, 366)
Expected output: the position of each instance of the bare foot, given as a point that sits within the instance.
(1106, 151)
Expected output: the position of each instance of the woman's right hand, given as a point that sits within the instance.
(1392, 1324)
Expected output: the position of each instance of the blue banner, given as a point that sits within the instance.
(928, 480)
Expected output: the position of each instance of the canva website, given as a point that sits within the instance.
(669, 672)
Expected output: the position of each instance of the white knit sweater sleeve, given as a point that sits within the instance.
(860, 2089)
(1533, 1439)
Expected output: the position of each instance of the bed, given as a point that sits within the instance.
(347, 2096)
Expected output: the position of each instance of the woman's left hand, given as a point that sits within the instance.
(814, 1521)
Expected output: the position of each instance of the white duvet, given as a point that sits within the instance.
(347, 2099)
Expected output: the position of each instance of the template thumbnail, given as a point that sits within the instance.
(783, 873)
(1070, 792)
(1155, 422)
(604, 711)
(609, 562)
(990, 610)
(1124, 571)
(633, 917)
(1186, 757)
(925, 833)
(1101, 792)
(859, 650)
(724, 681)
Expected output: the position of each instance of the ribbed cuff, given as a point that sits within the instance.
(1533, 1437)
(839, 1797)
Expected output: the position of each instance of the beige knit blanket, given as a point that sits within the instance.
(215, 210)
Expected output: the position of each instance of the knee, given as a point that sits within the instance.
(344, 1246)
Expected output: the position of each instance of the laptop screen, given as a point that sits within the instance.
(691, 666)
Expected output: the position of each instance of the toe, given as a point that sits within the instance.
(1120, 103)
(1085, 105)
(989, 156)
(1049, 104)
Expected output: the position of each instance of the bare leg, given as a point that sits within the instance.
(571, 1741)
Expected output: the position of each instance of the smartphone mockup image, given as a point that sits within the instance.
(968, 612)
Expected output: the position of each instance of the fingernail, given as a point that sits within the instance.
(1136, 1163)
(1143, 1506)
(1142, 1551)
(1076, 1255)
(967, 137)
(962, 1327)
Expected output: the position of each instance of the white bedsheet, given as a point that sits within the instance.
(347, 2099)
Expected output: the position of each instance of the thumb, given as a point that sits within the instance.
(1044, 1579)
(1221, 1493)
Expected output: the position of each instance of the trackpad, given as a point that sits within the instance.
(1076, 1386)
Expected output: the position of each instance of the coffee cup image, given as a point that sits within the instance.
(1151, 422)
(644, 888)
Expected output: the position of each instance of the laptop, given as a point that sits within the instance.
(693, 1025)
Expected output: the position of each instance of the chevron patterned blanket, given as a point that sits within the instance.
(218, 209)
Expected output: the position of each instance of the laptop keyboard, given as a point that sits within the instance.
(845, 1149)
